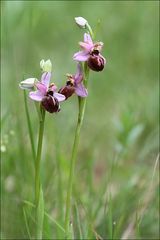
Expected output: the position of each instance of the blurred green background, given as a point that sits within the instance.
(119, 140)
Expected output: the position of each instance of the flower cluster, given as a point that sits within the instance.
(46, 92)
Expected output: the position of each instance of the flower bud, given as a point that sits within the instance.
(28, 83)
(81, 22)
(96, 62)
(46, 66)
(50, 104)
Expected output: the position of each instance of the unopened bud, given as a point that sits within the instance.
(46, 66)
(81, 22)
(28, 83)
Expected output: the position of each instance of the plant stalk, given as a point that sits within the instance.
(82, 104)
(29, 126)
(38, 188)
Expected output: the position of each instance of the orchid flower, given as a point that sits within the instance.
(74, 84)
(91, 53)
(46, 94)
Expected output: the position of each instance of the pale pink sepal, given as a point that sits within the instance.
(36, 96)
(45, 79)
(81, 90)
(60, 97)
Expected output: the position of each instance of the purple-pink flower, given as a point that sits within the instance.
(91, 53)
(46, 94)
(74, 84)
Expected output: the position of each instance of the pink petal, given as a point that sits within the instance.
(87, 47)
(81, 90)
(88, 39)
(36, 96)
(41, 87)
(45, 79)
(79, 74)
(60, 97)
(81, 56)
(53, 87)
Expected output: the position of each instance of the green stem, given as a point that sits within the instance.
(29, 126)
(90, 30)
(82, 104)
(59, 182)
(37, 172)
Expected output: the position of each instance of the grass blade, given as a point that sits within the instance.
(78, 222)
(47, 215)
(110, 218)
(26, 223)
(55, 222)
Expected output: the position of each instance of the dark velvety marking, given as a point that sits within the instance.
(96, 63)
(95, 52)
(50, 104)
(67, 91)
(69, 83)
(50, 93)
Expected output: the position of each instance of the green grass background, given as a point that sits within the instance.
(116, 179)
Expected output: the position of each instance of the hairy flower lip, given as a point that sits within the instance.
(96, 62)
(67, 91)
(50, 104)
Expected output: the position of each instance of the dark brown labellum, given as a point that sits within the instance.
(67, 91)
(96, 62)
(50, 104)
